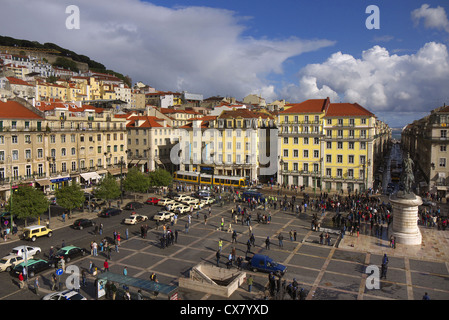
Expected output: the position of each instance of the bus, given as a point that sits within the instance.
(206, 179)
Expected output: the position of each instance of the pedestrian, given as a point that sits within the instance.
(176, 236)
(83, 278)
(36, 286)
(139, 295)
(280, 238)
(54, 280)
(220, 245)
(126, 234)
(217, 255)
(21, 280)
(94, 249)
(63, 244)
(125, 271)
(250, 282)
(106, 265)
(153, 277)
(63, 216)
(426, 296)
(267, 243)
(113, 290)
(187, 227)
(384, 267)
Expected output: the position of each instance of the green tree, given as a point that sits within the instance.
(70, 197)
(27, 202)
(160, 178)
(108, 189)
(136, 181)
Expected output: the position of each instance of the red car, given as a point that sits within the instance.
(153, 201)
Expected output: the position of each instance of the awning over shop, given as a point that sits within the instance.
(102, 171)
(90, 175)
(134, 162)
(43, 182)
(116, 171)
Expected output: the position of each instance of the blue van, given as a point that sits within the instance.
(252, 195)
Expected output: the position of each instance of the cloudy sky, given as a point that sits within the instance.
(285, 49)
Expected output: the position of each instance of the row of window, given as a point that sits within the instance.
(39, 138)
(316, 141)
(40, 152)
(328, 171)
(316, 119)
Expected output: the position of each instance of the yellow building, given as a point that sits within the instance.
(326, 146)
(229, 144)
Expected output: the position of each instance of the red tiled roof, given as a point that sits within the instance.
(71, 107)
(308, 106)
(241, 113)
(347, 109)
(13, 80)
(148, 122)
(14, 110)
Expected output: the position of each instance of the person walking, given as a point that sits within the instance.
(280, 238)
(106, 265)
(426, 296)
(53, 281)
(267, 243)
(21, 281)
(36, 286)
(250, 282)
(384, 267)
(218, 255)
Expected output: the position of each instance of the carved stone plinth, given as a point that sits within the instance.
(405, 218)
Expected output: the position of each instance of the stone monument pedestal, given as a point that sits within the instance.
(405, 218)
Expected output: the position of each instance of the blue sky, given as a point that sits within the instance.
(292, 50)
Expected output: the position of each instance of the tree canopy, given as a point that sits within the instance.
(27, 202)
(136, 181)
(108, 189)
(160, 177)
(70, 197)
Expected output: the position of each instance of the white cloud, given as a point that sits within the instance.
(434, 18)
(198, 49)
(378, 80)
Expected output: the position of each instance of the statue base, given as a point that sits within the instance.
(405, 218)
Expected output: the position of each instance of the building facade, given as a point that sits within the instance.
(327, 146)
(427, 142)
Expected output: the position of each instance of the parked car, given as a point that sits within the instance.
(165, 201)
(135, 218)
(153, 201)
(21, 250)
(190, 200)
(33, 266)
(209, 200)
(80, 224)
(109, 212)
(203, 193)
(8, 262)
(175, 206)
(163, 215)
(182, 209)
(68, 253)
(33, 232)
(133, 205)
(260, 262)
(64, 295)
(181, 197)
